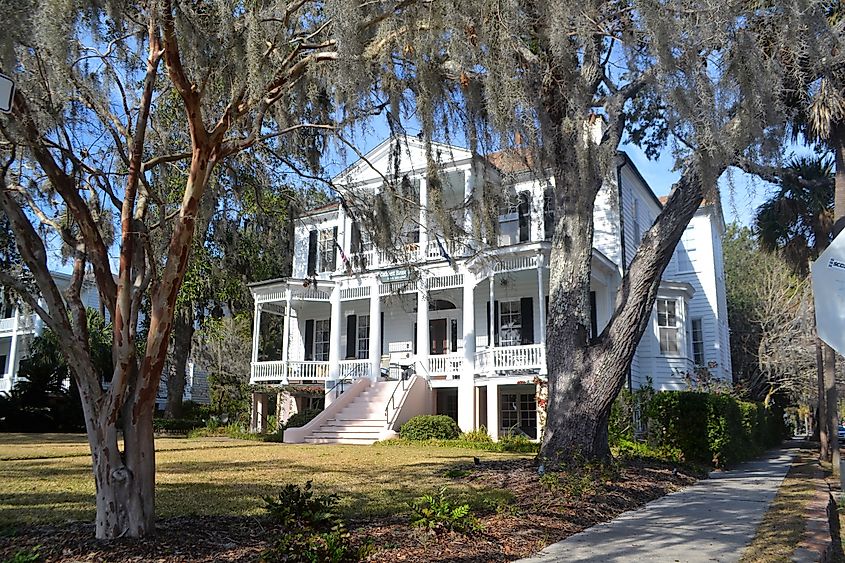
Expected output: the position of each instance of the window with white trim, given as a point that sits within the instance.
(322, 340)
(685, 251)
(362, 348)
(519, 411)
(325, 250)
(667, 326)
(638, 232)
(697, 342)
(510, 323)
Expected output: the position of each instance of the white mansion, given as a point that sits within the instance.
(390, 338)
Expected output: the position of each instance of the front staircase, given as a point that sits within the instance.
(362, 421)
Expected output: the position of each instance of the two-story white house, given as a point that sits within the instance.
(458, 328)
(19, 324)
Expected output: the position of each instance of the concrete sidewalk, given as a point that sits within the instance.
(712, 520)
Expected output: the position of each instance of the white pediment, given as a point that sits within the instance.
(381, 161)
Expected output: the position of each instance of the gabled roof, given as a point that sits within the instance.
(381, 154)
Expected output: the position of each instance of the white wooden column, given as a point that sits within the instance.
(286, 334)
(491, 313)
(423, 342)
(469, 183)
(423, 219)
(256, 333)
(375, 329)
(493, 409)
(541, 291)
(334, 335)
(466, 386)
(13, 347)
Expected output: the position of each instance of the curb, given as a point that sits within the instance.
(821, 524)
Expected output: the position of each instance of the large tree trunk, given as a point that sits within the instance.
(125, 481)
(585, 377)
(183, 333)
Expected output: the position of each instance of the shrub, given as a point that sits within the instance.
(479, 435)
(176, 425)
(517, 443)
(310, 527)
(298, 506)
(710, 428)
(427, 427)
(436, 513)
(302, 418)
(30, 555)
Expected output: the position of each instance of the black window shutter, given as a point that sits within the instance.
(594, 324)
(526, 310)
(454, 335)
(415, 338)
(334, 250)
(495, 323)
(312, 253)
(487, 320)
(381, 343)
(309, 339)
(524, 213)
(355, 238)
(351, 335)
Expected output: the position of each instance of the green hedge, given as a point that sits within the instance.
(176, 425)
(711, 428)
(302, 418)
(430, 426)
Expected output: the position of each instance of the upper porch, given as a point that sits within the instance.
(436, 322)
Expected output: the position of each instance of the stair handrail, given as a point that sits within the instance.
(405, 375)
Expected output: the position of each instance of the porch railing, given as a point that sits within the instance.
(354, 369)
(280, 370)
(511, 358)
(450, 365)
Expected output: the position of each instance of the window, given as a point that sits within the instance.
(7, 310)
(510, 323)
(322, 340)
(509, 220)
(667, 323)
(638, 232)
(684, 251)
(363, 347)
(3, 360)
(519, 411)
(697, 342)
(326, 250)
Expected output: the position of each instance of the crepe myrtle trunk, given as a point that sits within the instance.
(183, 332)
(124, 480)
(586, 375)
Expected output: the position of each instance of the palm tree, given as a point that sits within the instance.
(797, 220)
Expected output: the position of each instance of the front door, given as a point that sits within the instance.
(438, 336)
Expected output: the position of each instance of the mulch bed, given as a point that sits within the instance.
(540, 512)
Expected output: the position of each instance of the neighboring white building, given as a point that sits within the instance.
(356, 314)
(19, 324)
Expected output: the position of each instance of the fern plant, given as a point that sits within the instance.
(436, 513)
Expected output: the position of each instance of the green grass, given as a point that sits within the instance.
(47, 478)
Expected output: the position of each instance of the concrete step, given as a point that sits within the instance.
(357, 421)
(352, 441)
(346, 435)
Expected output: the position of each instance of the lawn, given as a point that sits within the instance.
(46, 478)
